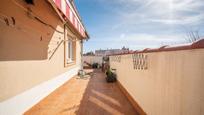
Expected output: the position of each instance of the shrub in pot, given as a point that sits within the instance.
(95, 65)
(111, 77)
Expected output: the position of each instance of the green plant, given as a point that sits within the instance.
(95, 65)
(111, 77)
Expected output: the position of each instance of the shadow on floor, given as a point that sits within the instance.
(102, 98)
(90, 95)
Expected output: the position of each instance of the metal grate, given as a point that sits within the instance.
(140, 61)
(116, 58)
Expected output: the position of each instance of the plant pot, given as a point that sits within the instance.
(111, 78)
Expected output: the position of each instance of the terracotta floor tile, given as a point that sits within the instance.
(85, 96)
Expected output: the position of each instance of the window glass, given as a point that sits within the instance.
(69, 51)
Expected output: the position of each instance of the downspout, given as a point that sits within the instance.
(82, 63)
(81, 71)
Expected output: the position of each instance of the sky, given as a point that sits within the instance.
(139, 24)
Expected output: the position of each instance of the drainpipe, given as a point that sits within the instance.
(82, 63)
(81, 71)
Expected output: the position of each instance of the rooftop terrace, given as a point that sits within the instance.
(90, 95)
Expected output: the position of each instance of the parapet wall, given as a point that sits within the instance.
(165, 81)
(93, 59)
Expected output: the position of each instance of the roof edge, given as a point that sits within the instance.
(196, 45)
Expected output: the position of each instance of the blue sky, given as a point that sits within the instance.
(139, 24)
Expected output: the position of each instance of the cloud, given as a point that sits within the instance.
(134, 41)
(177, 12)
(140, 24)
(122, 35)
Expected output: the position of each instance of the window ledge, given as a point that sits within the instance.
(68, 64)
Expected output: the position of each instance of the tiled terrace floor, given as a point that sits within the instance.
(88, 96)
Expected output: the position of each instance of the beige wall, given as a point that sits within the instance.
(172, 85)
(93, 59)
(24, 58)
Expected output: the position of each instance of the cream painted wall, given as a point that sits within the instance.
(24, 58)
(93, 59)
(172, 85)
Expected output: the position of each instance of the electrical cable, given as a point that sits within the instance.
(25, 28)
(39, 20)
(36, 17)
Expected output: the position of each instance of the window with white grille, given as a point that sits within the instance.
(69, 51)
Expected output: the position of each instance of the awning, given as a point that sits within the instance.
(70, 14)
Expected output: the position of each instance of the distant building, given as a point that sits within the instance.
(111, 51)
(89, 54)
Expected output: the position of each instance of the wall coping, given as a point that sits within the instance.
(196, 45)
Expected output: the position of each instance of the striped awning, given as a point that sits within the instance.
(71, 15)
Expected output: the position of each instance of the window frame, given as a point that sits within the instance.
(69, 52)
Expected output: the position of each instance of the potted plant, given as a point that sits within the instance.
(95, 65)
(111, 77)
